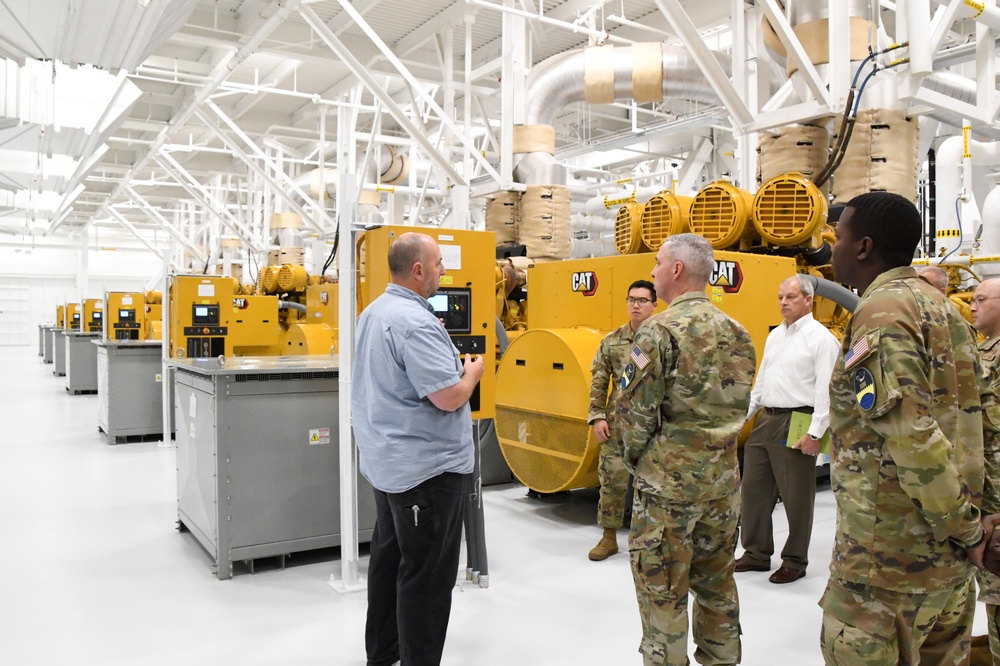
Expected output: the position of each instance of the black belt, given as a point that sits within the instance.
(788, 410)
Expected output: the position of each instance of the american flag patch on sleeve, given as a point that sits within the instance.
(639, 358)
(856, 353)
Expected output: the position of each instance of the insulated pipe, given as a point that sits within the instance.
(979, 11)
(950, 157)
(561, 80)
(831, 290)
(386, 167)
(292, 305)
(601, 75)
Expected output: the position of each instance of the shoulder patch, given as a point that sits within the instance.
(860, 350)
(639, 358)
(627, 376)
(864, 388)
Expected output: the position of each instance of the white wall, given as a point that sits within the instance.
(33, 281)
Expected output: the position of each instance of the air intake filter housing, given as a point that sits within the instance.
(665, 214)
(720, 213)
(628, 238)
(789, 210)
(542, 398)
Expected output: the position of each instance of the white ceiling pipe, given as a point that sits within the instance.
(953, 193)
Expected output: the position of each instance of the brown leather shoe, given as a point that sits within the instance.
(746, 564)
(787, 575)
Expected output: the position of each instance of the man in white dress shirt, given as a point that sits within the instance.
(794, 376)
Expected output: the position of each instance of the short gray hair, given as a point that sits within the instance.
(937, 276)
(805, 284)
(694, 252)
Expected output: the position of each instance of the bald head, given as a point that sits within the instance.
(936, 276)
(986, 308)
(415, 263)
(407, 250)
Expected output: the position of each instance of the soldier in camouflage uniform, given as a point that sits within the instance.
(606, 371)
(685, 393)
(986, 317)
(907, 459)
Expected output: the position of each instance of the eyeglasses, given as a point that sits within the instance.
(637, 301)
(978, 300)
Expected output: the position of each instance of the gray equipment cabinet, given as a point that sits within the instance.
(258, 470)
(41, 340)
(81, 362)
(48, 351)
(59, 357)
(129, 388)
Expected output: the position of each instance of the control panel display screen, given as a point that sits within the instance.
(76, 316)
(207, 315)
(453, 306)
(98, 315)
(126, 315)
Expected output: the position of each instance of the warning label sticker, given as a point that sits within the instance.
(319, 436)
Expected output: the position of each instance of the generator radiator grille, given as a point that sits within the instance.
(547, 453)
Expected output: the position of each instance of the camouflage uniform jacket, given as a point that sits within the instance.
(989, 357)
(684, 399)
(609, 361)
(907, 463)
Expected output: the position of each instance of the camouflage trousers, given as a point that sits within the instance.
(677, 549)
(867, 626)
(989, 594)
(614, 484)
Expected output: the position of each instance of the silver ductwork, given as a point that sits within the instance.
(643, 72)
(385, 166)
(559, 81)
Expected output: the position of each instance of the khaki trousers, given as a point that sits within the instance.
(770, 470)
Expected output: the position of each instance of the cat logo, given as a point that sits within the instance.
(585, 282)
(240, 304)
(728, 275)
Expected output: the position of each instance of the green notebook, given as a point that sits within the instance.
(798, 427)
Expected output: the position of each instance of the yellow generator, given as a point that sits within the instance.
(153, 319)
(543, 383)
(93, 315)
(465, 301)
(125, 316)
(73, 314)
(61, 316)
(210, 316)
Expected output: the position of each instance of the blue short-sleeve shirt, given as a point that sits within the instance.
(403, 354)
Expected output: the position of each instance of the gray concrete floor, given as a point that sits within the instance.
(93, 571)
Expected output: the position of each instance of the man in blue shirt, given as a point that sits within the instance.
(413, 428)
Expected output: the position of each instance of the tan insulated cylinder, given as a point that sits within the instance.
(544, 228)
(534, 139)
(801, 148)
(502, 213)
(647, 72)
(882, 155)
(599, 74)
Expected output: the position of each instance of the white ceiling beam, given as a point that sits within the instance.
(372, 85)
(222, 71)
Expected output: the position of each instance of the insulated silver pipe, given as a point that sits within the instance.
(558, 81)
